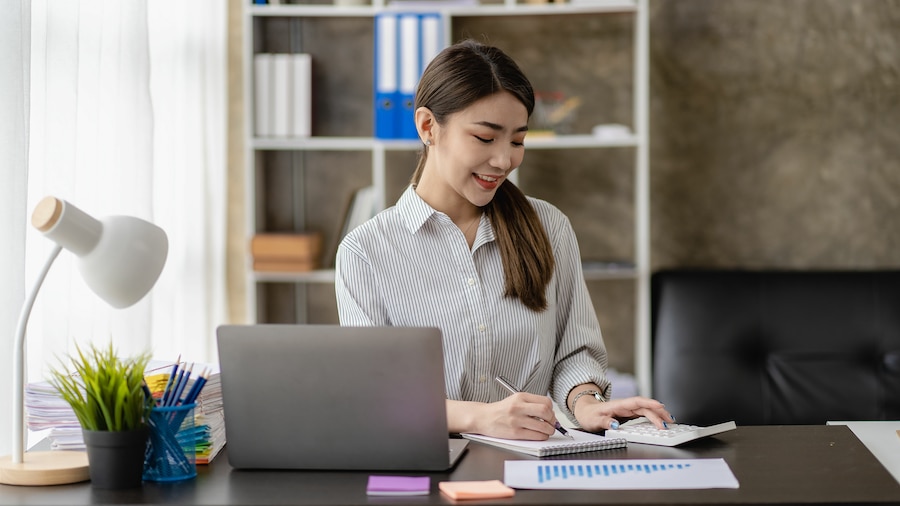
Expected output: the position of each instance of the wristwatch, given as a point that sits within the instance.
(595, 393)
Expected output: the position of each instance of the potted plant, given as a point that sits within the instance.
(107, 394)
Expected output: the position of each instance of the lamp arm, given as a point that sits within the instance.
(18, 452)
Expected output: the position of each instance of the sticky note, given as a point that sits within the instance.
(398, 485)
(488, 489)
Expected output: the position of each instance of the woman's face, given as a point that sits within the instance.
(473, 152)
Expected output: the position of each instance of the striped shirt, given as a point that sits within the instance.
(411, 266)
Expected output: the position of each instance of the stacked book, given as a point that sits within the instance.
(287, 252)
(47, 411)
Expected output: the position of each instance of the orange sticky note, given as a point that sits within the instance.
(488, 489)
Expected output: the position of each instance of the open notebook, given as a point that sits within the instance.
(556, 445)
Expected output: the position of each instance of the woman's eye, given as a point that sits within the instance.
(518, 144)
(482, 139)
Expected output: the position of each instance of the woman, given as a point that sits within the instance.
(498, 272)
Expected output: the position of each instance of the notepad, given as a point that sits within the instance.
(487, 489)
(557, 444)
(398, 485)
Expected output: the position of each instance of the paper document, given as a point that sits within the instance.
(632, 474)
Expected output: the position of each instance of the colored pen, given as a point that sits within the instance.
(169, 382)
(183, 379)
(513, 390)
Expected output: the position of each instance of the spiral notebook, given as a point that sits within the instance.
(557, 444)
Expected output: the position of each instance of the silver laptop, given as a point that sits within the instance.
(332, 397)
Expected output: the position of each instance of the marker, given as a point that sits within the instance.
(513, 390)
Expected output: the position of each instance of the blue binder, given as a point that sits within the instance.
(405, 43)
(386, 75)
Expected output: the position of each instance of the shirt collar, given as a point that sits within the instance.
(414, 210)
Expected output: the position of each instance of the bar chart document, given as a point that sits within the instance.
(661, 474)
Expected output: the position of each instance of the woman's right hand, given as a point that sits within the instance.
(520, 416)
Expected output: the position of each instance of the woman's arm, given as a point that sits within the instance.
(519, 416)
(595, 415)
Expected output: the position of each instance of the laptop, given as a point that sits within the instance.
(337, 398)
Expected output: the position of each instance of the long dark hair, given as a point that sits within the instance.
(457, 77)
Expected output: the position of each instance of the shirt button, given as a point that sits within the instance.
(481, 327)
(471, 281)
(482, 378)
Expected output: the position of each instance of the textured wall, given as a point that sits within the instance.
(775, 137)
(776, 133)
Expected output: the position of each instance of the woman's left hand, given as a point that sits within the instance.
(595, 416)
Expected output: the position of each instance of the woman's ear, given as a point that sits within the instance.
(424, 124)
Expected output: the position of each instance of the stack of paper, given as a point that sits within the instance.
(45, 409)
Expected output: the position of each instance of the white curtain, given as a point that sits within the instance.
(14, 65)
(128, 101)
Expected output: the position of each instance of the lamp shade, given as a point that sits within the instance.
(119, 257)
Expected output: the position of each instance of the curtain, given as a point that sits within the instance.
(14, 67)
(128, 103)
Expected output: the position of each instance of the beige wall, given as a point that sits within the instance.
(775, 138)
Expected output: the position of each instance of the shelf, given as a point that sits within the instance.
(331, 11)
(368, 143)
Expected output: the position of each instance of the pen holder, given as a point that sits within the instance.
(171, 448)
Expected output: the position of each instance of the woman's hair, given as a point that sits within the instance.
(456, 78)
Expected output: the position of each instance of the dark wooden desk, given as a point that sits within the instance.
(774, 465)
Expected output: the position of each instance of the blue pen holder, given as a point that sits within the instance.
(171, 448)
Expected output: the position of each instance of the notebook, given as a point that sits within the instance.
(338, 398)
(556, 444)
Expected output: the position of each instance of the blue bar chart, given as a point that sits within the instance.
(619, 474)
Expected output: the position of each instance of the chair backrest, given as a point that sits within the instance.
(776, 347)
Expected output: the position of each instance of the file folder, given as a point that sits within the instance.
(262, 94)
(386, 76)
(301, 117)
(405, 43)
(281, 106)
(410, 43)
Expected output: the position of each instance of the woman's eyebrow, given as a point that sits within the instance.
(494, 126)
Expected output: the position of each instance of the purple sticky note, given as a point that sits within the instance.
(398, 485)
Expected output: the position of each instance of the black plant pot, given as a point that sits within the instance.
(116, 459)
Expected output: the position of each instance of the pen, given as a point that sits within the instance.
(509, 387)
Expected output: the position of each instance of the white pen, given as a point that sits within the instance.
(513, 390)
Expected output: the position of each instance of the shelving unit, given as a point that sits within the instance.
(256, 148)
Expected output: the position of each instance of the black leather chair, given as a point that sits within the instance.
(776, 347)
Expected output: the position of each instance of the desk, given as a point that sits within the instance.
(774, 465)
(881, 438)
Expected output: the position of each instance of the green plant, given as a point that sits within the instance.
(105, 392)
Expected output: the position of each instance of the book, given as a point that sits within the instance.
(556, 444)
(276, 265)
(286, 246)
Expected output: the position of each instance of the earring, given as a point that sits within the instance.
(428, 142)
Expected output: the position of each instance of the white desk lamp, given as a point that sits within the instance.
(120, 258)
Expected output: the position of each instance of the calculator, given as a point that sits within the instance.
(641, 430)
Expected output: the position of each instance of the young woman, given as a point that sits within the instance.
(498, 272)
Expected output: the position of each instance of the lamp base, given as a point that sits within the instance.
(45, 468)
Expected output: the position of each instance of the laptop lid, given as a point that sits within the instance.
(332, 397)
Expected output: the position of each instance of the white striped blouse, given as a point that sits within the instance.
(411, 266)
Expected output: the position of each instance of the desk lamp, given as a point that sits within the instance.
(120, 258)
